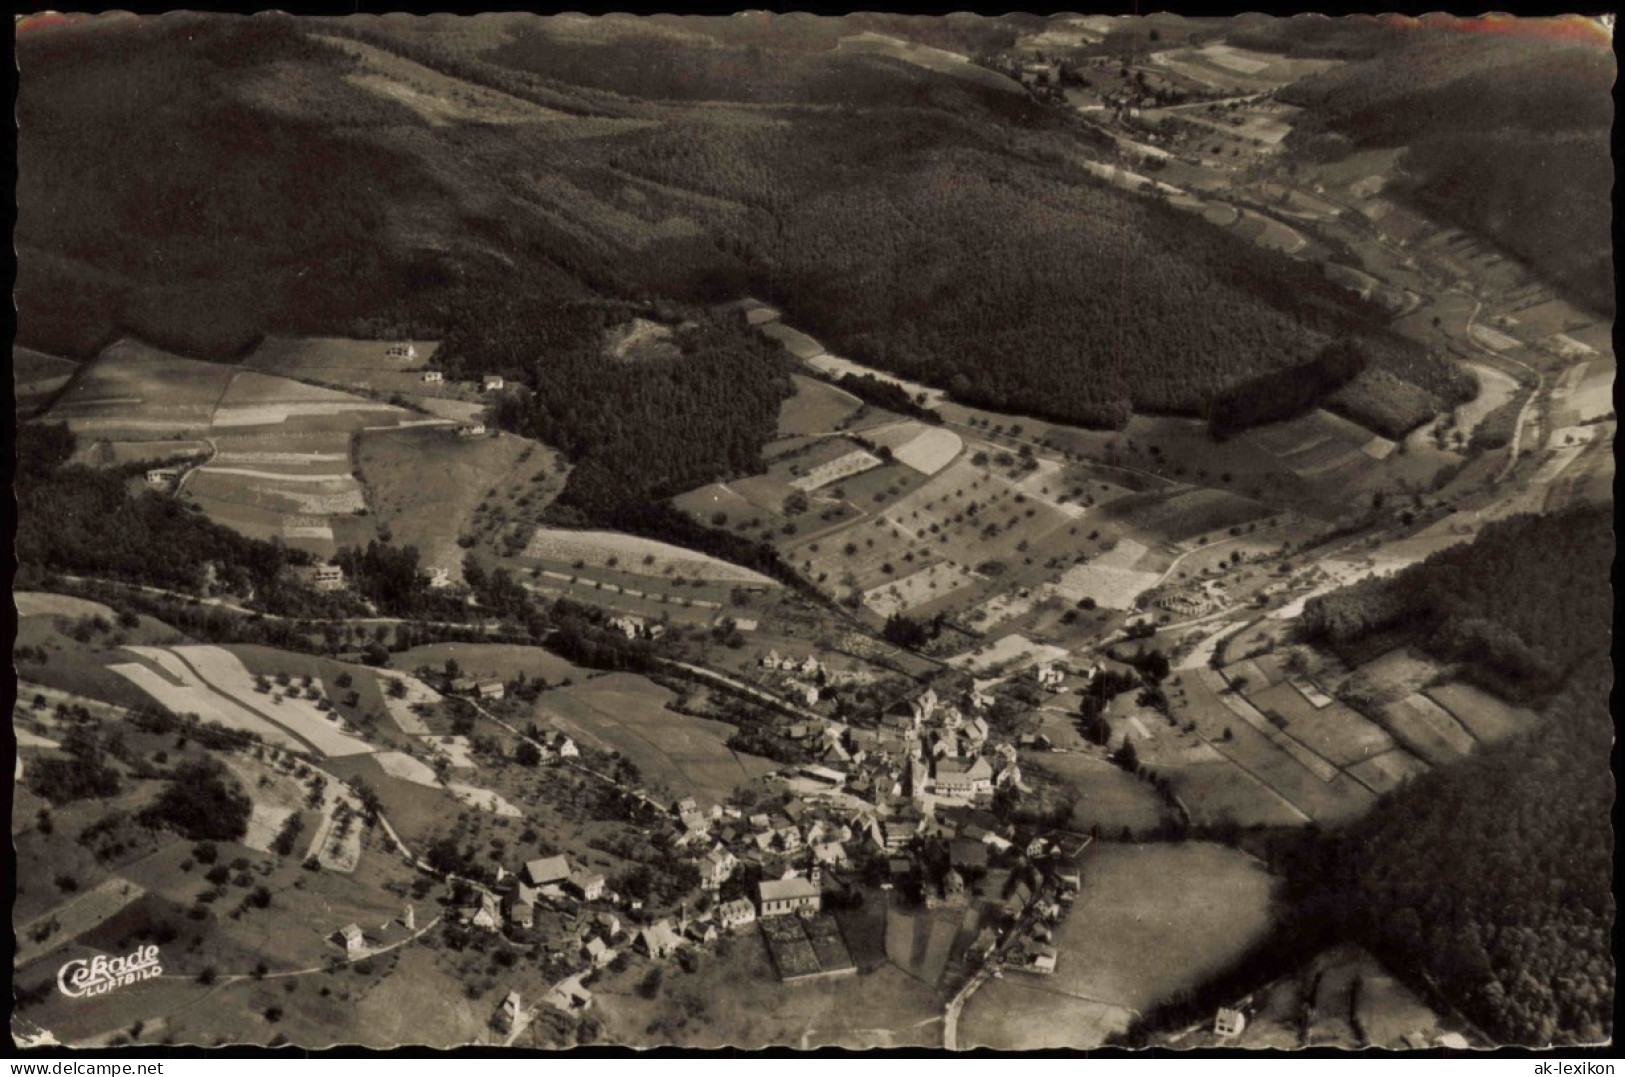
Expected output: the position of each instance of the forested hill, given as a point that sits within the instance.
(1490, 880)
(360, 175)
(1522, 607)
(635, 433)
(1507, 135)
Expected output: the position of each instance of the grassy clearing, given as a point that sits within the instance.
(607, 549)
(1108, 796)
(675, 753)
(1151, 920)
(816, 407)
(1336, 732)
(437, 491)
(1427, 730)
(502, 661)
(1487, 718)
(139, 391)
(1264, 758)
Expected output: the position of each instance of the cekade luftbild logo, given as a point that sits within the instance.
(84, 978)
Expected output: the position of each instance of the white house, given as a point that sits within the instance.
(1228, 1022)
(737, 913)
(350, 937)
(717, 867)
(494, 382)
(781, 897)
(589, 884)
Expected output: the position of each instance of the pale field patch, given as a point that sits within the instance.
(483, 799)
(928, 584)
(405, 767)
(401, 709)
(276, 414)
(43, 604)
(597, 548)
(1014, 651)
(926, 449)
(457, 750)
(1495, 388)
(438, 98)
(1428, 730)
(225, 673)
(1005, 606)
(194, 697)
(1493, 339)
(1108, 579)
(842, 467)
(1152, 920)
(1387, 771)
(274, 802)
(1236, 59)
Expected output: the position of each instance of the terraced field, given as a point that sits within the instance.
(1428, 730)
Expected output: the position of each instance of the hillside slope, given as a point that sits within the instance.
(363, 175)
(1506, 134)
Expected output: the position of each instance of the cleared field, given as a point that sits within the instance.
(362, 365)
(405, 767)
(1011, 652)
(681, 754)
(135, 388)
(187, 694)
(1493, 339)
(1244, 736)
(1110, 579)
(1108, 796)
(1394, 675)
(1427, 729)
(29, 367)
(927, 585)
(1271, 234)
(1495, 388)
(44, 604)
(1584, 392)
(1382, 773)
(817, 407)
(842, 467)
(502, 661)
(1221, 792)
(426, 484)
(1487, 718)
(400, 710)
(1336, 732)
(1185, 515)
(483, 800)
(926, 449)
(920, 943)
(833, 366)
(226, 673)
(1151, 920)
(797, 343)
(608, 549)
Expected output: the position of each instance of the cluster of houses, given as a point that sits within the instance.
(490, 383)
(801, 677)
(637, 627)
